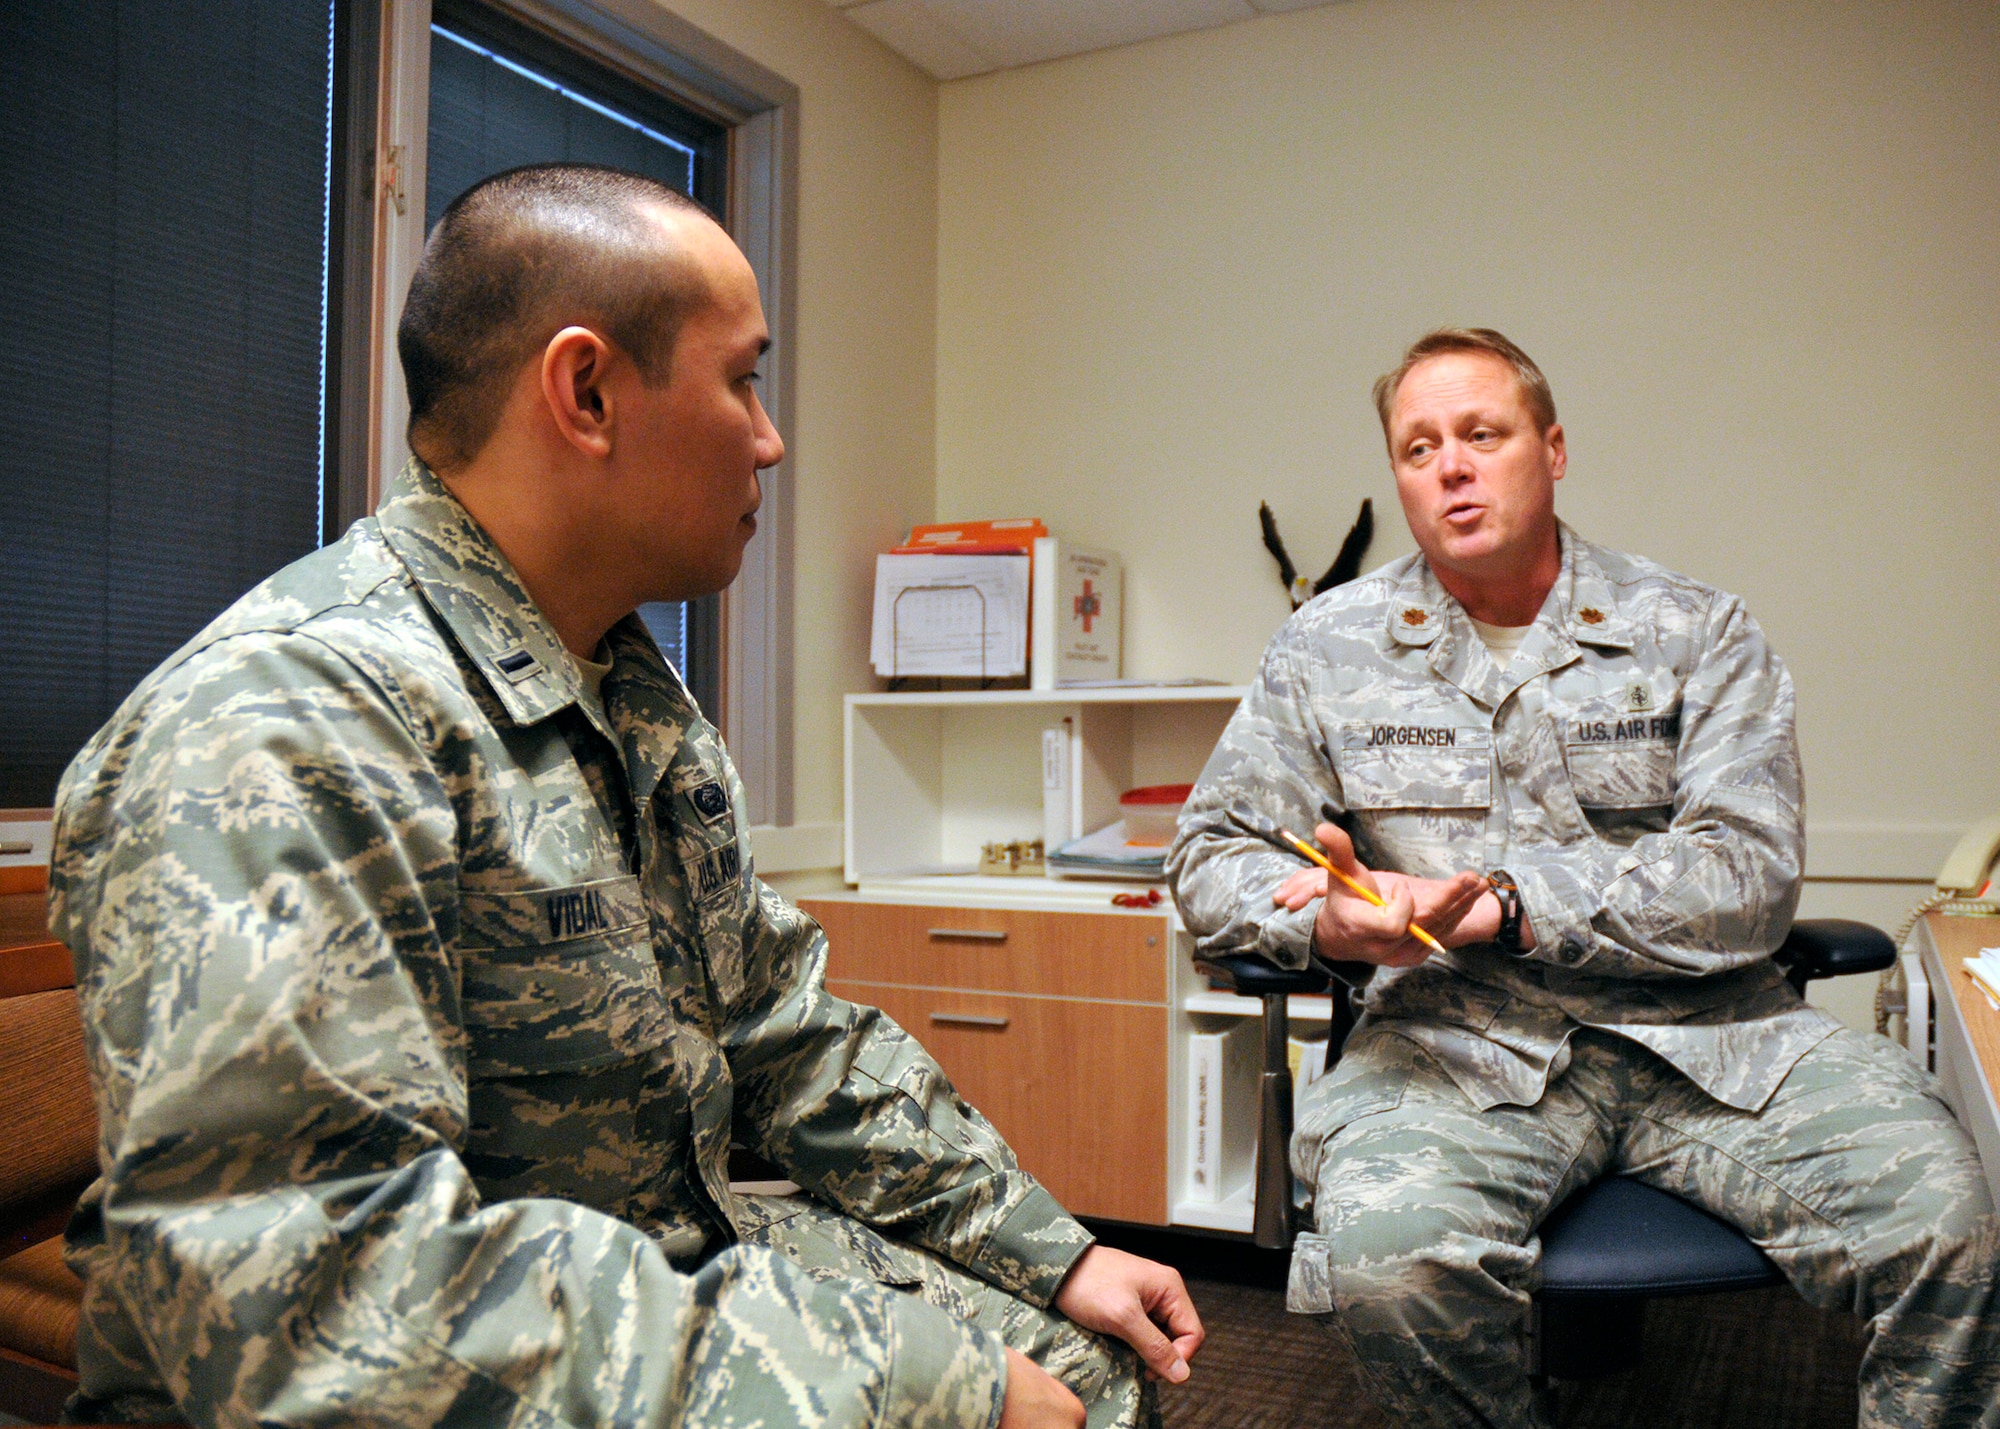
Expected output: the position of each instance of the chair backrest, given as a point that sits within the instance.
(48, 1123)
(30, 960)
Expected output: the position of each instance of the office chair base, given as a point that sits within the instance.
(1273, 1225)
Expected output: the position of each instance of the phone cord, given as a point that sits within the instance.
(1892, 981)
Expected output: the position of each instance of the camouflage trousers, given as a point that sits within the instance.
(1105, 1374)
(1853, 1178)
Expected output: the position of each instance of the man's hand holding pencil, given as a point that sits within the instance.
(1352, 927)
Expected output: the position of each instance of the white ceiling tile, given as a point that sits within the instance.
(914, 30)
(953, 38)
(1016, 32)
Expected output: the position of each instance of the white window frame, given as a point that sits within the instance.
(761, 110)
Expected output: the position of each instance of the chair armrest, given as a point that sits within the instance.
(1833, 947)
(1253, 977)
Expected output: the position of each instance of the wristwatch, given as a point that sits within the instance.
(1509, 893)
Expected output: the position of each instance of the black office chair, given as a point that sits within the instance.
(1613, 1245)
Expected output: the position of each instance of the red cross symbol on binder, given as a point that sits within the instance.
(1088, 606)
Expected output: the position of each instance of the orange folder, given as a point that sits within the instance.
(973, 538)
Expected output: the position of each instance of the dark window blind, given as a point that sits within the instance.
(163, 220)
(503, 95)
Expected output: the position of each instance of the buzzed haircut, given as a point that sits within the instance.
(514, 260)
(1541, 402)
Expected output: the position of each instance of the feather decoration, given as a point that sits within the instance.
(1275, 544)
(1346, 566)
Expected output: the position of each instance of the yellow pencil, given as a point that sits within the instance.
(1306, 850)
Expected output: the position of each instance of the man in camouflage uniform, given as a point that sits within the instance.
(426, 979)
(1611, 746)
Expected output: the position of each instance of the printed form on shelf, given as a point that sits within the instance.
(953, 615)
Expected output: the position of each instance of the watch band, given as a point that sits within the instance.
(1509, 893)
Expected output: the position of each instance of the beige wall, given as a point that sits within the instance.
(1754, 246)
(863, 426)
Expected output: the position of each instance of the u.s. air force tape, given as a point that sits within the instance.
(716, 870)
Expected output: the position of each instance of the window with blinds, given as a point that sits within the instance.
(163, 280)
(177, 185)
(502, 95)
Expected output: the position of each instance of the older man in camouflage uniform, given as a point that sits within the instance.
(426, 980)
(1578, 771)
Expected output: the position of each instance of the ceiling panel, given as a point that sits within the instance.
(951, 39)
(1022, 32)
(914, 30)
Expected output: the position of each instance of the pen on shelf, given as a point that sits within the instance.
(1292, 843)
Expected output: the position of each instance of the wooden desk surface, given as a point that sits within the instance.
(1958, 939)
(1966, 1030)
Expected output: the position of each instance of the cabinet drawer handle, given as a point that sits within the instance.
(983, 935)
(967, 1019)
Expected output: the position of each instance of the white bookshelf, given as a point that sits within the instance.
(1234, 1212)
(1199, 1008)
(930, 777)
(1303, 1007)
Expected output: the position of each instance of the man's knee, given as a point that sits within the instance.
(1104, 1373)
(1408, 1199)
(1404, 1258)
(1915, 1204)
(1949, 1255)
(1370, 1080)
(1089, 1364)
(1434, 1317)
(1362, 1232)
(1403, 1249)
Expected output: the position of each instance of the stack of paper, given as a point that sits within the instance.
(1105, 854)
(995, 599)
(1984, 968)
(963, 615)
(953, 600)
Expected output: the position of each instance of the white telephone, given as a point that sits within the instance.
(1965, 888)
(1965, 884)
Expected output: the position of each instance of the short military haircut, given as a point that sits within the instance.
(514, 260)
(1438, 341)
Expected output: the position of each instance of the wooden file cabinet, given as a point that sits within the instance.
(1053, 1024)
(1070, 1032)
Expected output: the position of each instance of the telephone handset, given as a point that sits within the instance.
(1967, 876)
(1965, 888)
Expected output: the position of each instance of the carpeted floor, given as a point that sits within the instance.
(1762, 1360)
(1759, 1360)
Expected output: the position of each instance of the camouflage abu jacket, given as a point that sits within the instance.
(1634, 768)
(422, 1004)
